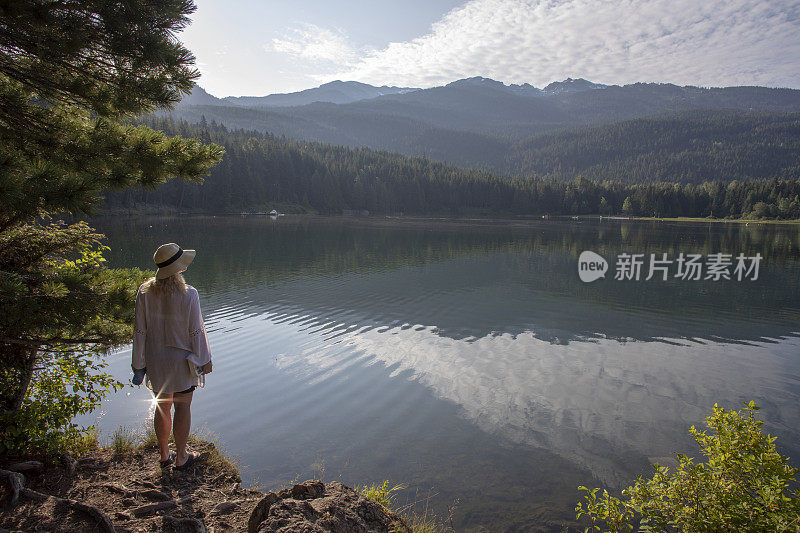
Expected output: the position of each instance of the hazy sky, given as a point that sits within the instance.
(256, 47)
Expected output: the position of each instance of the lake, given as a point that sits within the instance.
(466, 359)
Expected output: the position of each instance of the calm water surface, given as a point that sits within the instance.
(467, 360)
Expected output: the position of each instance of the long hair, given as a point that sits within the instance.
(171, 285)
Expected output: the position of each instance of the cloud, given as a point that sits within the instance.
(315, 44)
(714, 42)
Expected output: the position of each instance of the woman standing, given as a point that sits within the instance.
(169, 344)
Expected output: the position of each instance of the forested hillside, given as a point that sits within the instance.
(260, 171)
(691, 147)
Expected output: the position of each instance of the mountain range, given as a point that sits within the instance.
(485, 124)
(335, 92)
(345, 92)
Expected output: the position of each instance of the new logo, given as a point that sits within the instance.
(591, 266)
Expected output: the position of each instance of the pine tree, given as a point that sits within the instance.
(627, 205)
(72, 75)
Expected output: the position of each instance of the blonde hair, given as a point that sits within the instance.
(171, 285)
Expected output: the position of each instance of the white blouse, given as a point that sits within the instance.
(168, 332)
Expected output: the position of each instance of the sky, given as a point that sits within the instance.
(252, 47)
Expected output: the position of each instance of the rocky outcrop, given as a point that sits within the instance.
(314, 507)
(109, 493)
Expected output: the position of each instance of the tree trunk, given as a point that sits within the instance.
(16, 371)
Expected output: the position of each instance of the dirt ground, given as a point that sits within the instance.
(133, 492)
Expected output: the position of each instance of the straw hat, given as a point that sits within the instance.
(171, 259)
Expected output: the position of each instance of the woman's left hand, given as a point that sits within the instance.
(207, 368)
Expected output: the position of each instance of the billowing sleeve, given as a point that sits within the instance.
(139, 333)
(197, 333)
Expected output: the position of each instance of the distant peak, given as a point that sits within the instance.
(340, 82)
(571, 85)
(477, 80)
(199, 96)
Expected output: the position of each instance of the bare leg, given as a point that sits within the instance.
(182, 424)
(163, 423)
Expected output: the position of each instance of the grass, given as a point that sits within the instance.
(382, 494)
(147, 437)
(385, 495)
(123, 441)
(218, 460)
(422, 524)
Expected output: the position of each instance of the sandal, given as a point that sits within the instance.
(190, 460)
(168, 461)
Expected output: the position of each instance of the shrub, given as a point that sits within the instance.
(69, 386)
(744, 485)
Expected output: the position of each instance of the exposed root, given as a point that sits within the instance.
(15, 484)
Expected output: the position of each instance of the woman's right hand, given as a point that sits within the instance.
(208, 368)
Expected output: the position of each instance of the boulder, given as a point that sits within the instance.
(314, 507)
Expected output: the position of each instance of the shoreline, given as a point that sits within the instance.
(122, 488)
(446, 218)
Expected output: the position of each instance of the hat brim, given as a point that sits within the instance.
(180, 264)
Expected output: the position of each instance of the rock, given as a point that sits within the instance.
(152, 494)
(261, 511)
(309, 489)
(313, 507)
(224, 508)
(182, 525)
(153, 508)
(27, 467)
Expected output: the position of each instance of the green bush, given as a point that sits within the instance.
(71, 385)
(744, 485)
